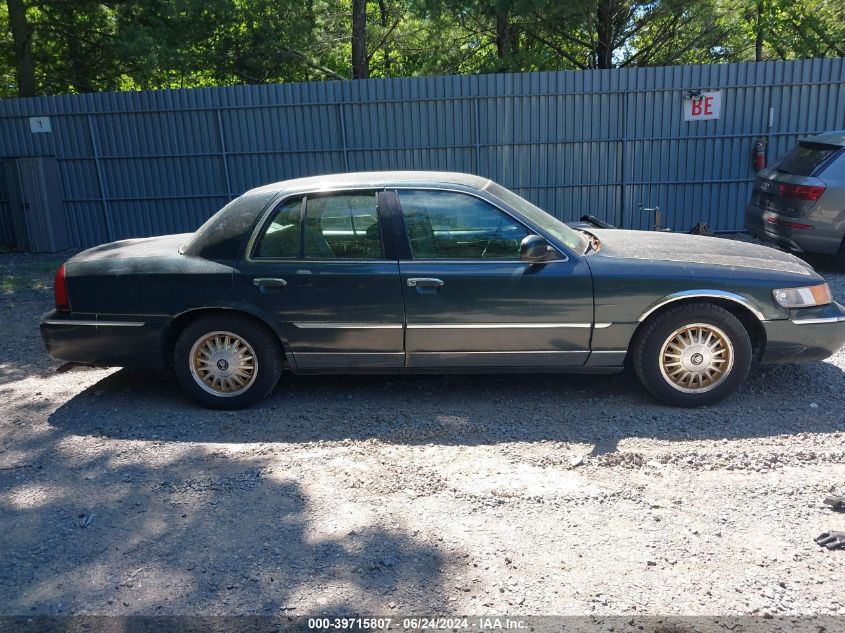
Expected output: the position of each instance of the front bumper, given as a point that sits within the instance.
(105, 341)
(810, 334)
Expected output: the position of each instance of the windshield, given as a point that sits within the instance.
(572, 238)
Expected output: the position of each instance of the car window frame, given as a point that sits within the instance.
(407, 255)
(272, 208)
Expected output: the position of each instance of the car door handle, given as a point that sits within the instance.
(424, 282)
(269, 282)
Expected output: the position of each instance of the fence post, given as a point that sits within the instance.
(623, 178)
(223, 153)
(477, 136)
(101, 179)
(342, 110)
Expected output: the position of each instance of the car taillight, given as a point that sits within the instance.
(792, 225)
(60, 290)
(801, 192)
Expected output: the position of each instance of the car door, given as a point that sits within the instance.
(319, 265)
(471, 301)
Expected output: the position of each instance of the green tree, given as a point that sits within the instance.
(785, 29)
(60, 46)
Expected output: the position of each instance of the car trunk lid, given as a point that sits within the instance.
(138, 248)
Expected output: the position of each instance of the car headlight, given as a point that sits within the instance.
(803, 297)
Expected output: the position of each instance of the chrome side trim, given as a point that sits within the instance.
(361, 354)
(320, 325)
(493, 326)
(704, 294)
(833, 319)
(533, 351)
(95, 323)
(601, 326)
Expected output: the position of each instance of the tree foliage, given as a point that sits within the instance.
(62, 46)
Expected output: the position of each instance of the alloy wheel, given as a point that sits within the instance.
(696, 358)
(223, 364)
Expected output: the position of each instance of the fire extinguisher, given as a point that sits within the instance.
(758, 154)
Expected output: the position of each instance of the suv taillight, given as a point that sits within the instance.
(60, 291)
(801, 192)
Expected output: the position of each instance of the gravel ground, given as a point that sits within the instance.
(510, 494)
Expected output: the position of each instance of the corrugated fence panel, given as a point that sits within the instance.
(7, 229)
(603, 142)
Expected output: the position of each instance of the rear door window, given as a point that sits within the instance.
(342, 226)
(335, 226)
(807, 159)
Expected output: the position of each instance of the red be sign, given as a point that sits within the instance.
(704, 106)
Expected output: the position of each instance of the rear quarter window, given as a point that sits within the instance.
(223, 236)
(807, 159)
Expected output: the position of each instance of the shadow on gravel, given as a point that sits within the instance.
(222, 535)
(599, 409)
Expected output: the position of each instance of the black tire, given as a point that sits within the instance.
(649, 343)
(267, 364)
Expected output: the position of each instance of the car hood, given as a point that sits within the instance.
(162, 245)
(695, 249)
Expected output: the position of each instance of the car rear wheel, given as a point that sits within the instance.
(692, 355)
(227, 361)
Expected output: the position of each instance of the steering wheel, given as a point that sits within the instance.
(492, 237)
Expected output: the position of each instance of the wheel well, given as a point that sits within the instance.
(749, 320)
(178, 325)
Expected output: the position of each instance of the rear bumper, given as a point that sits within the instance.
(810, 334)
(102, 340)
(774, 228)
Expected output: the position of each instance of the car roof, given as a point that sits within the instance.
(375, 179)
(834, 137)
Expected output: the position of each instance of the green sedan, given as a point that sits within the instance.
(391, 272)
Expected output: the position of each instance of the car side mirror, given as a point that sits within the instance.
(537, 250)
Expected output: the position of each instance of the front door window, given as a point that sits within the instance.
(451, 225)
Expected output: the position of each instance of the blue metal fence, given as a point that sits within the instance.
(600, 142)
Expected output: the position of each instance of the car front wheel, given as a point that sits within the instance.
(692, 355)
(227, 361)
